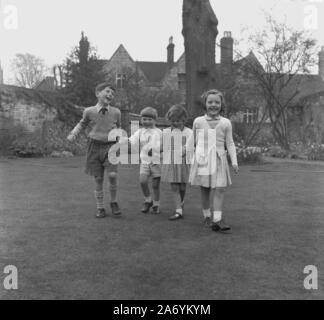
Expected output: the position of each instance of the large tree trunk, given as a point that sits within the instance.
(200, 32)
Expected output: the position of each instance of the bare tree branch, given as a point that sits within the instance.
(29, 70)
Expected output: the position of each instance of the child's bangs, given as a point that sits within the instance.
(177, 113)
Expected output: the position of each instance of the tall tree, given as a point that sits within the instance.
(82, 72)
(200, 32)
(285, 54)
(244, 95)
(28, 70)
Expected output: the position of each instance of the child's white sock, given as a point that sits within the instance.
(180, 211)
(217, 216)
(99, 195)
(207, 213)
(148, 199)
(156, 203)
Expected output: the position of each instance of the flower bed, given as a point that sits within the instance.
(52, 138)
(248, 155)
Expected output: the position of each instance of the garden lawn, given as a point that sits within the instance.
(48, 231)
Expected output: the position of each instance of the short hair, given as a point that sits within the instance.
(149, 112)
(207, 93)
(177, 112)
(102, 86)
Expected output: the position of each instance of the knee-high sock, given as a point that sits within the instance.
(113, 191)
(99, 196)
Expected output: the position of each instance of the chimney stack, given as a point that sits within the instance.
(170, 50)
(227, 46)
(321, 63)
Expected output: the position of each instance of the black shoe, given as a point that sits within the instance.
(220, 226)
(176, 216)
(115, 209)
(101, 213)
(147, 206)
(156, 210)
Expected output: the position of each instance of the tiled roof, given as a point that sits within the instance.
(154, 71)
(53, 99)
(310, 84)
(306, 85)
(48, 84)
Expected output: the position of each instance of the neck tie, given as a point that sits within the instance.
(103, 110)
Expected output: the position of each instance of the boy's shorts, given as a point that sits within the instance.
(151, 169)
(97, 159)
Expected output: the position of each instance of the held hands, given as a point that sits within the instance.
(236, 168)
(183, 152)
(123, 140)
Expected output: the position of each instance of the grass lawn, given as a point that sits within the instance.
(48, 231)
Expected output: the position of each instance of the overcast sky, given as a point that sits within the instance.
(50, 28)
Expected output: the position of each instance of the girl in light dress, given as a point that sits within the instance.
(176, 168)
(210, 169)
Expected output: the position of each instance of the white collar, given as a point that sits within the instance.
(208, 118)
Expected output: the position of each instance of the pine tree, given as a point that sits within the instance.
(82, 73)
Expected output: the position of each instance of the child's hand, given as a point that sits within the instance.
(71, 137)
(123, 140)
(236, 168)
(183, 152)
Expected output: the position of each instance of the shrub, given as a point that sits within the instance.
(316, 152)
(8, 135)
(51, 138)
(27, 146)
(276, 152)
(55, 134)
(243, 132)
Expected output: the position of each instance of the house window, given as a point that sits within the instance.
(250, 117)
(181, 81)
(120, 81)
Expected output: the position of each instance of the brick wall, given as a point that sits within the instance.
(20, 106)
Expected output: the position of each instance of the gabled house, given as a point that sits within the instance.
(151, 74)
(171, 74)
